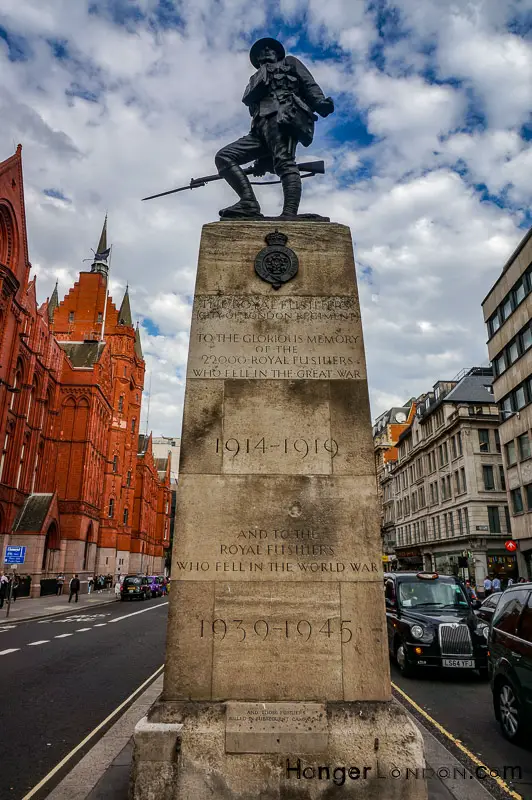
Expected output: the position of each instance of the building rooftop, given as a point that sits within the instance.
(83, 354)
(33, 513)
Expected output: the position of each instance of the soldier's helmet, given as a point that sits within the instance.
(259, 46)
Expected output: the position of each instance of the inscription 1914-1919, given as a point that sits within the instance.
(300, 446)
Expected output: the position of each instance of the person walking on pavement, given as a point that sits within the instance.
(74, 588)
(488, 586)
(496, 584)
(16, 586)
(90, 585)
(470, 592)
(4, 586)
(59, 584)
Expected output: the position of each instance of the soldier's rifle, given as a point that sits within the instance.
(309, 167)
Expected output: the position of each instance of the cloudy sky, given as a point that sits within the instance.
(429, 157)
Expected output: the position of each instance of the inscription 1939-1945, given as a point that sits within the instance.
(239, 630)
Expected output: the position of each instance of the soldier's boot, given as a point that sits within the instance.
(292, 193)
(247, 206)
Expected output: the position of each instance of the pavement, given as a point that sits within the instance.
(104, 772)
(36, 607)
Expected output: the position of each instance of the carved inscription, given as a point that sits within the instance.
(300, 447)
(316, 338)
(276, 728)
(303, 630)
(294, 553)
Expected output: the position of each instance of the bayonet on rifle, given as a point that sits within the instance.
(310, 167)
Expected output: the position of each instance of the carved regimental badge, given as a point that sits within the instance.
(276, 263)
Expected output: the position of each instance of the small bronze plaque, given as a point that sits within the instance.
(276, 263)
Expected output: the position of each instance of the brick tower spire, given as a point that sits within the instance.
(124, 315)
(102, 253)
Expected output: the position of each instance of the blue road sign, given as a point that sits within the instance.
(15, 554)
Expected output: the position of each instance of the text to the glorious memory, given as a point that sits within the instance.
(316, 338)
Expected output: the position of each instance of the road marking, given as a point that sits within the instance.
(100, 624)
(475, 759)
(87, 738)
(41, 641)
(80, 630)
(134, 614)
(12, 650)
(63, 635)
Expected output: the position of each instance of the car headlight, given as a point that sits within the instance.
(485, 631)
(417, 631)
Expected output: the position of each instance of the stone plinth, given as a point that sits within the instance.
(277, 644)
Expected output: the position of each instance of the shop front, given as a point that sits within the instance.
(410, 560)
(503, 566)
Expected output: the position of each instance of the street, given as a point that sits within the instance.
(462, 704)
(61, 677)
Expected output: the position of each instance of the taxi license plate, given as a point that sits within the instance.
(131, 589)
(459, 662)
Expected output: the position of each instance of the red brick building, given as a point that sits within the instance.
(79, 486)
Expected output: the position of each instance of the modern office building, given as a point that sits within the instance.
(508, 314)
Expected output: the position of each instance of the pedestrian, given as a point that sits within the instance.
(118, 586)
(74, 588)
(470, 592)
(4, 585)
(496, 584)
(488, 586)
(16, 586)
(510, 582)
(521, 580)
(59, 581)
(90, 585)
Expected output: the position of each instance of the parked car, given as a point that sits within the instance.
(486, 609)
(510, 647)
(431, 623)
(156, 585)
(135, 587)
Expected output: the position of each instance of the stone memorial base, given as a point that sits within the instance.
(277, 680)
(277, 751)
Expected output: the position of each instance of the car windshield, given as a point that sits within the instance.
(417, 593)
(136, 581)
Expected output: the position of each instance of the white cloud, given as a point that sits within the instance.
(428, 244)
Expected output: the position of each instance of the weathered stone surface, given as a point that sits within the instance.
(276, 728)
(376, 741)
(282, 527)
(228, 250)
(277, 594)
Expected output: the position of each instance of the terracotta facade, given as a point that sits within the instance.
(78, 486)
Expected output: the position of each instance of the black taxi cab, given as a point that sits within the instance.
(431, 623)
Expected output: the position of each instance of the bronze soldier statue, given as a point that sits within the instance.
(282, 97)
